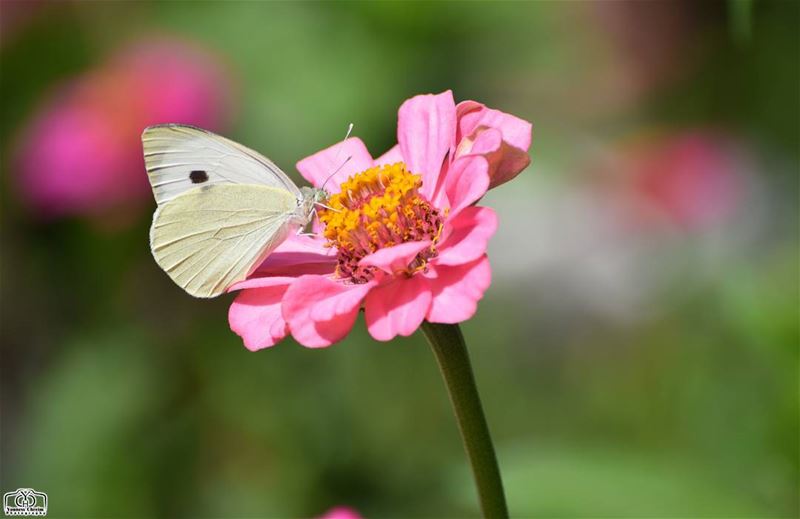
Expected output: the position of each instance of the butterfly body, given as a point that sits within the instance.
(310, 197)
(222, 208)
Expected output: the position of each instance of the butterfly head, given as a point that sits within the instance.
(313, 195)
(320, 195)
(310, 197)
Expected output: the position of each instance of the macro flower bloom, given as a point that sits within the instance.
(402, 238)
(80, 153)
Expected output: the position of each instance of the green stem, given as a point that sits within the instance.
(451, 353)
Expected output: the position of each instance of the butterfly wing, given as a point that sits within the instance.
(211, 237)
(179, 158)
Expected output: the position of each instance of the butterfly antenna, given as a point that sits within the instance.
(335, 172)
(346, 136)
(338, 152)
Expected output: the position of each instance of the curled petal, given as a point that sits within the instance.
(483, 141)
(463, 109)
(320, 311)
(318, 167)
(472, 115)
(506, 158)
(255, 315)
(396, 258)
(397, 308)
(456, 290)
(506, 163)
(467, 181)
(426, 131)
(467, 236)
(392, 156)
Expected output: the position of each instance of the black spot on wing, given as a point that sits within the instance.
(198, 176)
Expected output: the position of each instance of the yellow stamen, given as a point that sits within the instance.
(379, 208)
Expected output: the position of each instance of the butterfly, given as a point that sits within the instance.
(222, 208)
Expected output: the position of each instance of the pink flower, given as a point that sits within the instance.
(694, 178)
(404, 240)
(81, 152)
(341, 512)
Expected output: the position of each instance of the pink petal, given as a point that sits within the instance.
(505, 161)
(397, 308)
(295, 270)
(304, 243)
(439, 197)
(466, 182)
(348, 299)
(262, 282)
(321, 165)
(255, 315)
(481, 142)
(426, 131)
(396, 258)
(457, 290)
(392, 156)
(507, 158)
(463, 109)
(298, 255)
(471, 115)
(321, 311)
(467, 236)
(505, 164)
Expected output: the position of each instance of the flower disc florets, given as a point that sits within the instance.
(378, 208)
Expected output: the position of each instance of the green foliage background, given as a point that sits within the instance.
(123, 397)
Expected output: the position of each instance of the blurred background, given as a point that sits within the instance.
(637, 352)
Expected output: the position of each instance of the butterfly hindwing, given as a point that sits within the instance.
(213, 236)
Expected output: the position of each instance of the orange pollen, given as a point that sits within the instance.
(375, 209)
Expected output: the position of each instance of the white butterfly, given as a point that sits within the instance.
(222, 208)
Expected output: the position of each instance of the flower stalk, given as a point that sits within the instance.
(448, 345)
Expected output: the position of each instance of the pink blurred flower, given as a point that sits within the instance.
(692, 178)
(405, 247)
(341, 512)
(81, 153)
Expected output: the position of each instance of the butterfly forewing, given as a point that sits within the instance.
(210, 237)
(180, 158)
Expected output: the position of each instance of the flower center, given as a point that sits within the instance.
(379, 208)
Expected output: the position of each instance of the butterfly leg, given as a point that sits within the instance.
(311, 218)
(329, 208)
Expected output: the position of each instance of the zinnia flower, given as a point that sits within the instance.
(80, 154)
(402, 238)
